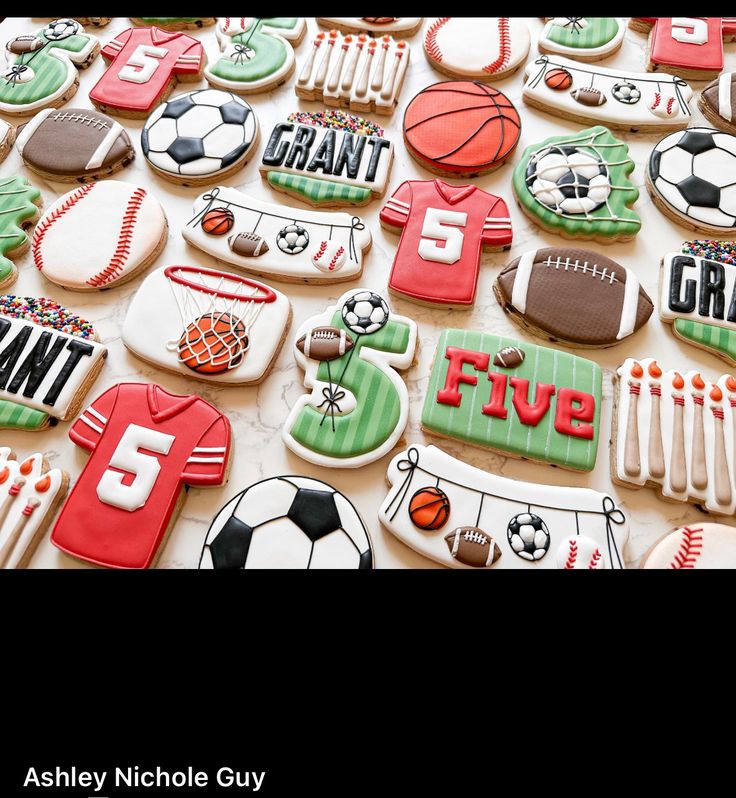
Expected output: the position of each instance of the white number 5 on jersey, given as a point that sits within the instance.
(442, 225)
(142, 64)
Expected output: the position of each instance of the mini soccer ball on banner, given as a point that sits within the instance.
(292, 239)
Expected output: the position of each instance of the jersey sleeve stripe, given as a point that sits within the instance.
(206, 460)
(205, 449)
(97, 415)
(91, 424)
(399, 202)
(396, 209)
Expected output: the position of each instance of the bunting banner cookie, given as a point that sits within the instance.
(354, 71)
(487, 521)
(695, 546)
(398, 27)
(674, 431)
(628, 100)
(328, 159)
(207, 324)
(582, 38)
(20, 204)
(30, 495)
(479, 48)
(41, 68)
(288, 522)
(717, 102)
(257, 53)
(7, 137)
(523, 400)
(266, 239)
(175, 23)
(578, 186)
(147, 447)
(358, 406)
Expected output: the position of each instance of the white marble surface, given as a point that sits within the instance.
(257, 413)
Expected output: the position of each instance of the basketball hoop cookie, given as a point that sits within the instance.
(399, 27)
(99, 235)
(211, 325)
(461, 128)
(692, 547)
(480, 48)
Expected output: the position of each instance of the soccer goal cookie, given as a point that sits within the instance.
(674, 431)
(578, 186)
(328, 159)
(573, 296)
(523, 400)
(275, 241)
(51, 359)
(144, 65)
(199, 137)
(7, 137)
(175, 23)
(211, 325)
(125, 501)
(99, 235)
(257, 52)
(461, 127)
(20, 204)
(30, 495)
(464, 517)
(74, 145)
(717, 102)
(358, 406)
(582, 38)
(41, 68)
(614, 97)
(479, 48)
(354, 71)
(400, 27)
(443, 230)
(695, 546)
(288, 522)
(691, 177)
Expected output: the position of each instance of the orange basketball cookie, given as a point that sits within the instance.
(213, 343)
(429, 508)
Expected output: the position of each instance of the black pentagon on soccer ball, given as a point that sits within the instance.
(233, 156)
(572, 184)
(314, 512)
(654, 162)
(176, 108)
(695, 141)
(230, 547)
(234, 113)
(144, 141)
(184, 149)
(700, 192)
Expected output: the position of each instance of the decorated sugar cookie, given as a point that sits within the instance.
(7, 137)
(144, 65)
(629, 100)
(354, 71)
(578, 185)
(288, 522)
(704, 546)
(582, 38)
(399, 27)
(30, 494)
(581, 553)
(573, 296)
(257, 52)
(92, 22)
(175, 23)
(19, 209)
(41, 67)
(480, 48)
(287, 244)
(691, 47)
(717, 102)
(51, 358)
(99, 235)
(147, 446)
(443, 230)
(461, 127)
(328, 159)
(358, 406)
(495, 522)
(74, 145)
(521, 399)
(674, 431)
(199, 136)
(691, 177)
(207, 324)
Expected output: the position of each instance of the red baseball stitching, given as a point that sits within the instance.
(670, 103)
(335, 258)
(320, 252)
(122, 250)
(657, 100)
(45, 225)
(430, 41)
(689, 551)
(572, 555)
(594, 560)
(504, 47)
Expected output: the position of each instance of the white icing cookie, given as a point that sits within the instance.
(265, 239)
(579, 553)
(400, 27)
(582, 38)
(483, 48)
(433, 496)
(99, 235)
(207, 324)
(704, 546)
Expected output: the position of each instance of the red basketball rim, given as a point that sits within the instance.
(171, 272)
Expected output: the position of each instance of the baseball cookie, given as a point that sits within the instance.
(288, 522)
(398, 27)
(199, 137)
(99, 235)
(717, 102)
(479, 48)
(174, 23)
(573, 296)
(705, 546)
(74, 145)
(7, 137)
(582, 38)
(19, 209)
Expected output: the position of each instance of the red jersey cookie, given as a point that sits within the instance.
(146, 445)
(443, 229)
